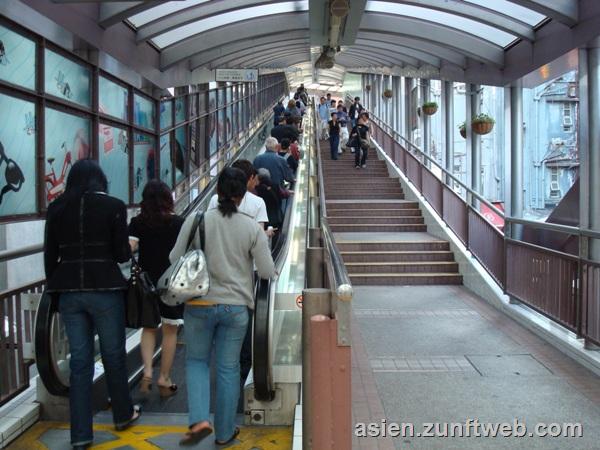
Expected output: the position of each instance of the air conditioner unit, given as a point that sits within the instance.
(554, 186)
(567, 121)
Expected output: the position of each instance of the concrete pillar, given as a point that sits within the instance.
(448, 108)
(593, 186)
(475, 148)
(407, 109)
(516, 151)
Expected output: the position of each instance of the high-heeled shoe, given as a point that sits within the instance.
(167, 391)
(145, 385)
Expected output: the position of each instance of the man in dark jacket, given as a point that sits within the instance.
(278, 112)
(355, 109)
(286, 130)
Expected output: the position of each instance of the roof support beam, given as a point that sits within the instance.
(479, 13)
(421, 56)
(255, 60)
(563, 11)
(390, 58)
(257, 51)
(112, 13)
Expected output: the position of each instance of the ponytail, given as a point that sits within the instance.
(230, 185)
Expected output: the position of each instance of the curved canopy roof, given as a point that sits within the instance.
(454, 35)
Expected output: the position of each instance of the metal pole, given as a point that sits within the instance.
(314, 302)
(407, 108)
(475, 144)
(594, 144)
(516, 154)
(449, 120)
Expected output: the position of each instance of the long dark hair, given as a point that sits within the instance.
(230, 185)
(85, 176)
(157, 203)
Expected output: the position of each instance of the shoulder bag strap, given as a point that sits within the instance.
(199, 217)
(202, 234)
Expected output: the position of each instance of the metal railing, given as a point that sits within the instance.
(560, 286)
(461, 213)
(17, 322)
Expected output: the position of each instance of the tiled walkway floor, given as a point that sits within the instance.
(438, 354)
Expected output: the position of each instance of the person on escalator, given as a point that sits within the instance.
(85, 239)
(234, 244)
(154, 232)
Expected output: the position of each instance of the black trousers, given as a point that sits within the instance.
(358, 161)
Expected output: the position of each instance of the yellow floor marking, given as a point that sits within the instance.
(264, 438)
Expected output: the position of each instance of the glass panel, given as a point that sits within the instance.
(202, 103)
(113, 151)
(484, 31)
(222, 127)
(229, 95)
(511, 9)
(437, 144)
(240, 114)
(166, 114)
(212, 133)
(17, 59)
(234, 121)
(550, 140)
(460, 142)
(162, 10)
(221, 98)
(166, 164)
(193, 105)
(67, 139)
(229, 124)
(143, 112)
(194, 156)
(17, 156)
(66, 79)
(181, 153)
(179, 110)
(144, 165)
(113, 98)
(220, 20)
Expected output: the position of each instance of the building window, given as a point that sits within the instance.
(567, 117)
(554, 185)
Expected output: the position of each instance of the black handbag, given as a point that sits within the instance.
(142, 299)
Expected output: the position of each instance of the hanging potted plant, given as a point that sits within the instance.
(462, 128)
(482, 124)
(387, 93)
(430, 108)
(368, 88)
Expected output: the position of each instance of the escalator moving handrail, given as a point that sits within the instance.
(48, 306)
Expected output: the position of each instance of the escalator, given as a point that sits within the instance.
(268, 340)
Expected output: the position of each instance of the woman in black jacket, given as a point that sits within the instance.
(85, 239)
(154, 232)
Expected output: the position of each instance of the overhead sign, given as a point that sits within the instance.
(244, 75)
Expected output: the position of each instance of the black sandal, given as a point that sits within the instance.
(194, 437)
(231, 439)
(136, 409)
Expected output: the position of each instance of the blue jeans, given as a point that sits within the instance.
(334, 143)
(83, 314)
(224, 327)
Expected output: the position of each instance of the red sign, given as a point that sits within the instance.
(492, 217)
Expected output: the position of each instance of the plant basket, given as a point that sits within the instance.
(388, 93)
(368, 87)
(430, 108)
(481, 127)
(463, 132)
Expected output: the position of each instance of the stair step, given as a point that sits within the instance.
(362, 246)
(372, 205)
(404, 279)
(365, 195)
(377, 220)
(414, 212)
(368, 228)
(396, 256)
(354, 191)
(402, 267)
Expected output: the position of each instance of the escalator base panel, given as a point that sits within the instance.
(55, 436)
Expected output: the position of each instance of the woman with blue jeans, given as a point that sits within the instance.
(85, 239)
(233, 244)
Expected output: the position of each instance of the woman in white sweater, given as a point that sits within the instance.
(234, 244)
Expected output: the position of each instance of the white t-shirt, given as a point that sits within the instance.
(252, 205)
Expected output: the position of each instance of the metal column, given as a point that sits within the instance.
(407, 108)
(594, 145)
(475, 99)
(516, 151)
(425, 94)
(448, 106)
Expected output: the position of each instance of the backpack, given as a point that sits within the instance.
(187, 278)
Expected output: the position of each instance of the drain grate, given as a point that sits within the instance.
(387, 313)
(422, 364)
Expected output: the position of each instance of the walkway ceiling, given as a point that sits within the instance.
(492, 41)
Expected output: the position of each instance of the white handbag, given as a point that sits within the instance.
(187, 278)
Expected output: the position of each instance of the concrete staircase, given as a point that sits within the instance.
(382, 237)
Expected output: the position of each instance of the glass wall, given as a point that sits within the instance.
(125, 140)
(436, 121)
(493, 146)
(460, 143)
(550, 139)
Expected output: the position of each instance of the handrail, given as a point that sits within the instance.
(554, 227)
(8, 255)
